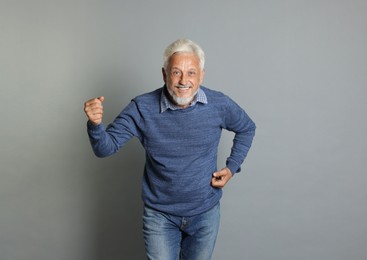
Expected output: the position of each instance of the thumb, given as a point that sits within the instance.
(223, 173)
(218, 175)
(101, 98)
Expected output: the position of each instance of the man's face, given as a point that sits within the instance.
(183, 78)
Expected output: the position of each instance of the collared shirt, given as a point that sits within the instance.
(167, 104)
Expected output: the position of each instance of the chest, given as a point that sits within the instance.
(175, 130)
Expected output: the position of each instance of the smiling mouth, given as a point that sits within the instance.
(182, 87)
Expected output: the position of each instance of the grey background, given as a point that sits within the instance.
(299, 68)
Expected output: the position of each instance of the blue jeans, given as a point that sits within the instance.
(169, 237)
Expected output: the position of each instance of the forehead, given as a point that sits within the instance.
(184, 60)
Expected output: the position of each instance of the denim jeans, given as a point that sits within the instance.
(170, 237)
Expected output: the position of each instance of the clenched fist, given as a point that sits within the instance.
(220, 178)
(94, 110)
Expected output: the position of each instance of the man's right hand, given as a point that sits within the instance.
(94, 110)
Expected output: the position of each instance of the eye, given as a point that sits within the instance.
(192, 73)
(176, 73)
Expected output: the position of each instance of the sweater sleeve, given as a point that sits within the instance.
(237, 121)
(108, 141)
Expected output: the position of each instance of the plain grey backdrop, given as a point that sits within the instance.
(299, 68)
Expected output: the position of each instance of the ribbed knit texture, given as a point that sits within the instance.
(181, 148)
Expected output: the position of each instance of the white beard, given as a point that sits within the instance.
(181, 101)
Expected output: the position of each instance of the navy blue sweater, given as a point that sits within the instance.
(181, 148)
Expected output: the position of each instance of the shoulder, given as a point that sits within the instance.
(146, 104)
(149, 101)
(216, 97)
(211, 93)
(218, 101)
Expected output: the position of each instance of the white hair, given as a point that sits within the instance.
(184, 46)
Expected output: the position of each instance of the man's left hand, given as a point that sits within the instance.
(220, 178)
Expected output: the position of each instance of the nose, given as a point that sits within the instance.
(183, 79)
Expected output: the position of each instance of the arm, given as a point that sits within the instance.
(108, 141)
(237, 121)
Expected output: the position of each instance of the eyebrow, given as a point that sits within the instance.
(177, 68)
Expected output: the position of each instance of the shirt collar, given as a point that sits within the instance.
(167, 104)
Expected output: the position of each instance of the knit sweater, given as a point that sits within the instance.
(181, 148)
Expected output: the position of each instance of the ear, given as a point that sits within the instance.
(202, 74)
(164, 75)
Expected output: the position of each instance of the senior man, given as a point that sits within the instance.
(179, 126)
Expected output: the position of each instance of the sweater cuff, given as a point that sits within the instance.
(233, 166)
(94, 128)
